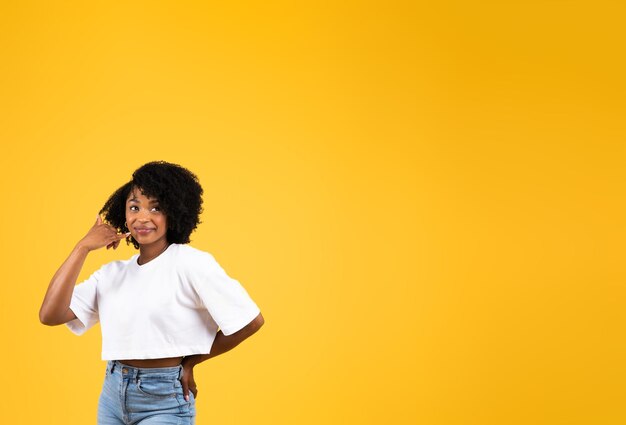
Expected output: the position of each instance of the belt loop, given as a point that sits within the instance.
(111, 366)
(180, 372)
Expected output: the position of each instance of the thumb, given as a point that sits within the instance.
(98, 219)
(121, 236)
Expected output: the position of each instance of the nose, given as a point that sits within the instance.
(143, 216)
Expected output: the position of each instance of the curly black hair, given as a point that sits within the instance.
(179, 194)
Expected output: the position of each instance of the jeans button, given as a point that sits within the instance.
(124, 370)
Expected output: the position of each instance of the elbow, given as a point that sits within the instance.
(47, 319)
(44, 319)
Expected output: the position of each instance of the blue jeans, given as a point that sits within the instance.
(144, 396)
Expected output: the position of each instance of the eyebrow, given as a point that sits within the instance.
(152, 201)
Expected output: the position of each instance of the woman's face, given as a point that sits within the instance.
(145, 220)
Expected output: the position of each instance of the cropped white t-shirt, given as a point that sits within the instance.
(171, 306)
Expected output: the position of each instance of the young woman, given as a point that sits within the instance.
(160, 310)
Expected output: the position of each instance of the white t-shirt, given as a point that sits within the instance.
(171, 306)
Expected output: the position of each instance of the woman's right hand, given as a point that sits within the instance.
(100, 235)
(55, 308)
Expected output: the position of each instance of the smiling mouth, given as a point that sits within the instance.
(142, 231)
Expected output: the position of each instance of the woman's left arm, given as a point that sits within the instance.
(221, 344)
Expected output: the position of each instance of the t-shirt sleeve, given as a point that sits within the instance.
(227, 301)
(84, 304)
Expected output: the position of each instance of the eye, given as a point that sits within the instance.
(133, 208)
(156, 208)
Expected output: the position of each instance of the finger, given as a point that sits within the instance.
(98, 219)
(121, 236)
(185, 389)
(192, 386)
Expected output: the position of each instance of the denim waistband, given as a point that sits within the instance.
(114, 366)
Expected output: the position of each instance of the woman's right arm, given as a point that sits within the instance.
(55, 309)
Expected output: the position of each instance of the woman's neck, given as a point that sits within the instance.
(150, 252)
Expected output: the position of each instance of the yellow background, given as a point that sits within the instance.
(426, 199)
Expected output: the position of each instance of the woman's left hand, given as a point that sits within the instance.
(187, 380)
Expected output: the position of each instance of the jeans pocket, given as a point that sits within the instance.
(157, 388)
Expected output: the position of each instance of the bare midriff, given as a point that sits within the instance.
(147, 363)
